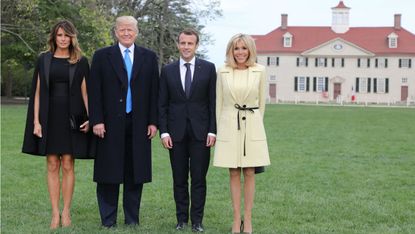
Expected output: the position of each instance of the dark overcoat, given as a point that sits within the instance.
(108, 91)
(82, 144)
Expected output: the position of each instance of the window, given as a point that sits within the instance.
(337, 62)
(302, 61)
(273, 61)
(381, 85)
(393, 40)
(287, 41)
(301, 83)
(381, 62)
(404, 80)
(405, 63)
(361, 85)
(272, 78)
(321, 62)
(321, 84)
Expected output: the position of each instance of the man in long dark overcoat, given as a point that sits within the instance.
(123, 112)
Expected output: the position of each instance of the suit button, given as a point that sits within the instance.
(121, 100)
(243, 118)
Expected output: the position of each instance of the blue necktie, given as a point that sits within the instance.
(187, 80)
(128, 67)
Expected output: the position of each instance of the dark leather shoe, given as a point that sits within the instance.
(197, 227)
(181, 225)
(109, 226)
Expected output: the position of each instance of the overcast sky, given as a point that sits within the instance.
(263, 16)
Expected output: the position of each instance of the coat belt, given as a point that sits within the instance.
(244, 108)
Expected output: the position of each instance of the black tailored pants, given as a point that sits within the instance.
(189, 156)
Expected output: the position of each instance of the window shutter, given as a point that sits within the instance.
(308, 84)
(357, 84)
(325, 62)
(410, 63)
(376, 62)
(358, 62)
(342, 62)
(368, 62)
(386, 62)
(268, 61)
(326, 85)
(306, 62)
(386, 85)
(314, 84)
(298, 62)
(316, 62)
(332, 62)
(400, 62)
(375, 85)
(295, 84)
(278, 61)
(368, 85)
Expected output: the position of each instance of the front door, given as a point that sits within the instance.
(404, 93)
(337, 90)
(272, 92)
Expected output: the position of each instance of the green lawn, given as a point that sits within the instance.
(334, 170)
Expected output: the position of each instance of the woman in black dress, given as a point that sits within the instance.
(57, 125)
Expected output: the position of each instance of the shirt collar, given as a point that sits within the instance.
(192, 62)
(122, 48)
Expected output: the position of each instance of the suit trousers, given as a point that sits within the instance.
(189, 155)
(107, 194)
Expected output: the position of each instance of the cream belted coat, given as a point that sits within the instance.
(246, 147)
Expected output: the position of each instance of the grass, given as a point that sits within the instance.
(334, 170)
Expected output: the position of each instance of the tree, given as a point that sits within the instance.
(160, 21)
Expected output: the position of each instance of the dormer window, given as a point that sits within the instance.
(288, 39)
(393, 40)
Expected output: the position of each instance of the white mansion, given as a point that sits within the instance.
(339, 63)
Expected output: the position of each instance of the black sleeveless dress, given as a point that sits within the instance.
(59, 132)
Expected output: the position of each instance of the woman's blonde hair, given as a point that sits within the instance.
(75, 52)
(249, 43)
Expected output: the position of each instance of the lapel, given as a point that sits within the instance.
(177, 80)
(46, 65)
(116, 60)
(253, 74)
(196, 74)
(72, 68)
(138, 62)
(227, 76)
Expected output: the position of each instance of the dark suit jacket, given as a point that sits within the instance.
(108, 90)
(175, 109)
(81, 142)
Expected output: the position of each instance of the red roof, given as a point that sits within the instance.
(341, 5)
(373, 39)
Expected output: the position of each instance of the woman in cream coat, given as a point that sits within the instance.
(241, 141)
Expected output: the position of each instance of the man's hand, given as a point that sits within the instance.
(99, 130)
(151, 131)
(210, 141)
(167, 142)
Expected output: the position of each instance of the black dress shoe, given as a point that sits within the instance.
(197, 227)
(181, 225)
(109, 226)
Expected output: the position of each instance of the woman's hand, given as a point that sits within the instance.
(37, 130)
(84, 127)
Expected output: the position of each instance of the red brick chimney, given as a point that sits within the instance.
(284, 21)
(397, 23)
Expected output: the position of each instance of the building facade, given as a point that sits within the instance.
(339, 63)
